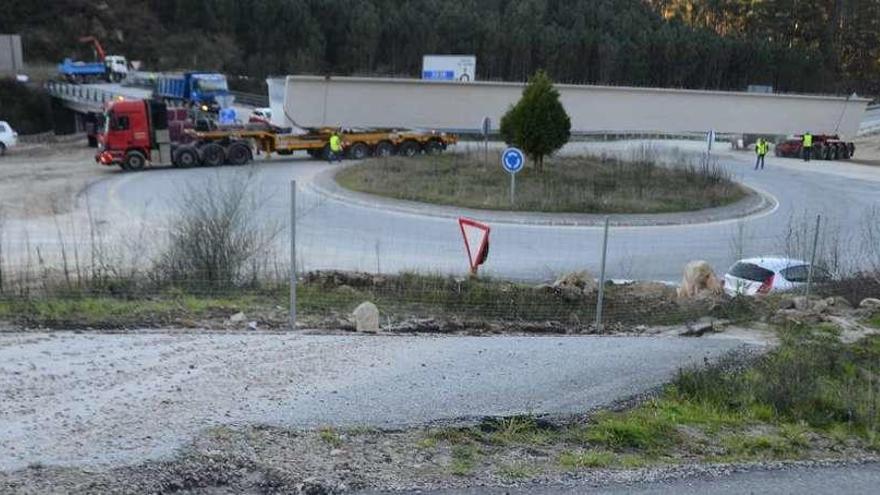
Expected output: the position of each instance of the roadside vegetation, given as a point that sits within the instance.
(811, 398)
(25, 106)
(640, 183)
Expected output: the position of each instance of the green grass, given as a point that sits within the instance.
(517, 471)
(330, 437)
(583, 184)
(464, 459)
(588, 459)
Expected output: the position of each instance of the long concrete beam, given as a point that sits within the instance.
(313, 101)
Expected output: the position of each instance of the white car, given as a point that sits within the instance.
(8, 137)
(754, 276)
(261, 115)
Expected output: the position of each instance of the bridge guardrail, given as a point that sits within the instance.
(79, 93)
(251, 99)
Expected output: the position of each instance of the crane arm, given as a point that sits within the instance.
(98, 48)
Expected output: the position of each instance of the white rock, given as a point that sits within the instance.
(870, 303)
(366, 317)
(237, 317)
(699, 280)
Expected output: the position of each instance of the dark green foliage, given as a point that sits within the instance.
(538, 123)
(794, 46)
(25, 107)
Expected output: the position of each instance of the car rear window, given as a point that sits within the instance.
(749, 271)
(800, 274)
(3, 128)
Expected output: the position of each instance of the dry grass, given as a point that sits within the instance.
(637, 184)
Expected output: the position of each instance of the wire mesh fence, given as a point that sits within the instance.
(225, 247)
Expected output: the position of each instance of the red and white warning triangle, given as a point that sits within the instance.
(476, 241)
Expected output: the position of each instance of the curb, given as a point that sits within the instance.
(757, 203)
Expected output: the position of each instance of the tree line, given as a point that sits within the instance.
(821, 46)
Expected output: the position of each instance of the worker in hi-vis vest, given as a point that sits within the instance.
(807, 145)
(335, 148)
(761, 148)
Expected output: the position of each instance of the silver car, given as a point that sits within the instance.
(754, 276)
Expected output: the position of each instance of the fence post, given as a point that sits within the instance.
(813, 256)
(293, 255)
(601, 299)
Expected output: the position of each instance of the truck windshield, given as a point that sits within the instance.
(213, 84)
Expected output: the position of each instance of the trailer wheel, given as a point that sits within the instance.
(238, 154)
(358, 151)
(844, 151)
(852, 149)
(186, 157)
(410, 148)
(433, 148)
(212, 155)
(384, 149)
(134, 160)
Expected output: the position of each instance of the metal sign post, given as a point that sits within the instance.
(486, 127)
(513, 160)
(293, 255)
(710, 140)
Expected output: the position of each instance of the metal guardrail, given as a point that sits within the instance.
(88, 95)
(250, 99)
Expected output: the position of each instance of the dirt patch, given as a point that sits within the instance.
(44, 179)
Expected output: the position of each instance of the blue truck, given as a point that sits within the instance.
(199, 89)
(112, 68)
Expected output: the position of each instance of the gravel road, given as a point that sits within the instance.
(106, 400)
(852, 480)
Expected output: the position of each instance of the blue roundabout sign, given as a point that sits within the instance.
(513, 160)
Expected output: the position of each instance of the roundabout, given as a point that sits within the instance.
(341, 230)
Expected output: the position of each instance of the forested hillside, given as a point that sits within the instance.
(830, 46)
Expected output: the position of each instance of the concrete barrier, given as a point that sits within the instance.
(378, 102)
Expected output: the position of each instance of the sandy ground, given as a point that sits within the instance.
(43, 179)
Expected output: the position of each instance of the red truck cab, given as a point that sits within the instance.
(136, 132)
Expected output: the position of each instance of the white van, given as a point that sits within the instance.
(8, 137)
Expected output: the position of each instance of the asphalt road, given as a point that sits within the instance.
(851, 480)
(96, 399)
(344, 235)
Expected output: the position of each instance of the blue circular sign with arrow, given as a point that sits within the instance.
(513, 160)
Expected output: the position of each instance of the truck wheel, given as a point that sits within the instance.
(844, 151)
(134, 160)
(852, 149)
(410, 148)
(433, 148)
(818, 152)
(186, 157)
(358, 151)
(384, 149)
(238, 154)
(212, 155)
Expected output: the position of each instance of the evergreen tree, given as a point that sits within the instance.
(538, 123)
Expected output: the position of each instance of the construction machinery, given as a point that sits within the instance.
(825, 147)
(110, 68)
(141, 133)
(198, 89)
